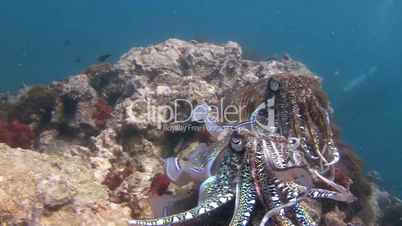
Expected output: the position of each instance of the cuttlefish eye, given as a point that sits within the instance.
(274, 85)
(236, 144)
(263, 112)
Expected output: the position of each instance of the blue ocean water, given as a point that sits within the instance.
(355, 46)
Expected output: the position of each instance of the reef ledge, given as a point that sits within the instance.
(89, 150)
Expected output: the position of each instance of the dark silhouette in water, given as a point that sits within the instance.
(77, 60)
(103, 58)
(67, 43)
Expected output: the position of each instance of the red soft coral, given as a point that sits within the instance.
(16, 134)
(160, 184)
(116, 177)
(4, 134)
(20, 135)
(102, 113)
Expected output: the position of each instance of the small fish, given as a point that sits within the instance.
(103, 58)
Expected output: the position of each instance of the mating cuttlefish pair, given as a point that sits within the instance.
(277, 158)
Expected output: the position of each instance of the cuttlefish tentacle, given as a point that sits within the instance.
(277, 208)
(294, 197)
(341, 195)
(271, 186)
(317, 193)
(183, 173)
(334, 185)
(259, 172)
(206, 188)
(226, 174)
(282, 221)
(220, 188)
(245, 198)
(302, 217)
(335, 156)
(205, 207)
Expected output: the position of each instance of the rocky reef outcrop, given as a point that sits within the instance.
(94, 143)
(42, 189)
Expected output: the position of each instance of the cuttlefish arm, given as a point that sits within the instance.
(340, 194)
(205, 207)
(205, 189)
(335, 156)
(245, 198)
(220, 187)
(183, 174)
(192, 170)
(277, 208)
(317, 193)
(302, 216)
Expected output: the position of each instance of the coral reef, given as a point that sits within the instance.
(98, 139)
(16, 134)
(102, 113)
(39, 189)
(34, 106)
